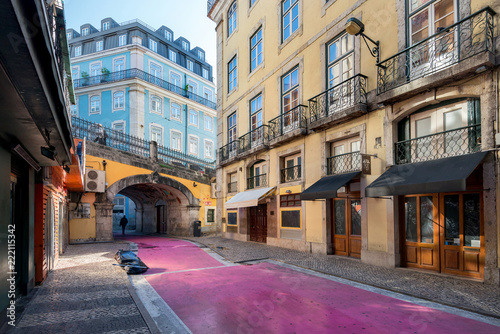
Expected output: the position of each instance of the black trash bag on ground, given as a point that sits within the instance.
(130, 262)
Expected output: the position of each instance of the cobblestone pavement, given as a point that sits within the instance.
(84, 294)
(461, 293)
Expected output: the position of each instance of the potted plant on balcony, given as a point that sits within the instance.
(105, 74)
(85, 79)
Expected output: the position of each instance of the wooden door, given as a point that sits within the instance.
(161, 225)
(421, 231)
(347, 227)
(257, 218)
(462, 234)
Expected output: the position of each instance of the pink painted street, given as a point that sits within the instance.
(212, 296)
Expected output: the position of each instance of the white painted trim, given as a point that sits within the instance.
(157, 64)
(204, 124)
(206, 215)
(119, 38)
(120, 121)
(113, 100)
(151, 125)
(90, 104)
(205, 89)
(189, 118)
(151, 96)
(197, 145)
(180, 112)
(194, 84)
(205, 141)
(172, 131)
(77, 67)
(118, 58)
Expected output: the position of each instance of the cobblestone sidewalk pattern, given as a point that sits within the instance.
(84, 294)
(461, 293)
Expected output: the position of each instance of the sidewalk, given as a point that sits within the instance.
(457, 292)
(84, 294)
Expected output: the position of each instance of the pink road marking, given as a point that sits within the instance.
(163, 255)
(267, 298)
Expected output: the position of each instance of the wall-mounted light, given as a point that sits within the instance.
(288, 191)
(194, 184)
(355, 27)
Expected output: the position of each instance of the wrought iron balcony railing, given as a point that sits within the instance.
(291, 174)
(464, 39)
(439, 145)
(344, 95)
(254, 138)
(232, 187)
(210, 4)
(228, 151)
(182, 159)
(288, 121)
(344, 163)
(106, 136)
(135, 73)
(257, 181)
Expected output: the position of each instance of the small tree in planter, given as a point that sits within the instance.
(105, 74)
(85, 77)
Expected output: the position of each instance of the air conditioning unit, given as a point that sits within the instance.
(95, 180)
(213, 190)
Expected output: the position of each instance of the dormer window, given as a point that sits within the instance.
(85, 31)
(168, 35)
(185, 46)
(201, 55)
(68, 36)
(105, 26)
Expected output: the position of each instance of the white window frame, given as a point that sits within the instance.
(121, 121)
(284, 13)
(205, 73)
(178, 76)
(160, 101)
(190, 65)
(197, 139)
(201, 55)
(194, 85)
(185, 45)
(197, 118)
(122, 40)
(205, 118)
(106, 26)
(153, 45)
(232, 74)
(78, 51)
(232, 18)
(158, 126)
(152, 63)
(115, 60)
(85, 31)
(99, 46)
(68, 35)
(168, 35)
(208, 92)
(115, 108)
(205, 142)
(97, 111)
(77, 72)
(172, 116)
(172, 55)
(258, 43)
(176, 132)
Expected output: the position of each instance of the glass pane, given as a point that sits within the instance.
(417, 3)
(356, 146)
(338, 150)
(355, 217)
(426, 220)
(452, 220)
(232, 218)
(290, 219)
(453, 120)
(423, 127)
(339, 208)
(419, 22)
(472, 220)
(411, 219)
(443, 9)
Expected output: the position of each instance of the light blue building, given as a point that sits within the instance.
(142, 81)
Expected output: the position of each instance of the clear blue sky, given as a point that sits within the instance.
(187, 18)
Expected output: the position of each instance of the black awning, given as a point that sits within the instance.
(327, 187)
(443, 175)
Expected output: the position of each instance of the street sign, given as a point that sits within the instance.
(366, 164)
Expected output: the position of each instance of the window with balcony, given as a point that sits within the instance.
(344, 156)
(156, 73)
(157, 134)
(290, 18)
(257, 175)
(118, 100)
(232, 18)
(340, 60)
(232, 184)
(232, 135)
(99, 45)
(153, 45)
(175, 111)
(175, 82)
(290, 118)
(256, 50)
(156, 105)
(232, 76)
(122, 40)
(451, 129)
(291, 168)
(95, 104)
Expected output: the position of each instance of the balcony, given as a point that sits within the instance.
(257, 181)
(449, 55)
(288, 126)
(232, 187)
(134, 73)
(228, 153)
(344, 163)
(254, 141)
(340, 103)
(440, 145)
(291, 174)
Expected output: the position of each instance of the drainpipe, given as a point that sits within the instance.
(186, 129)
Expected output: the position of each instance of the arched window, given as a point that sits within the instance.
(156, 105)
(118, 100)
(231, 18)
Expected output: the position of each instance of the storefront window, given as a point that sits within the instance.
(232, 218)
(426, 219)
(472, 220)
(452, 220)
(411, 219)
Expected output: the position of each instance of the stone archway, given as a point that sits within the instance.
(148, 189)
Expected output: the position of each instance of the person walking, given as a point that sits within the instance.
(123, 223)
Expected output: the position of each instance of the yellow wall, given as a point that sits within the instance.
(84, 228)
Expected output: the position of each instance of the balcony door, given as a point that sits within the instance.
(347, 227)
(340, 68)
(426, 19)
(341, 159)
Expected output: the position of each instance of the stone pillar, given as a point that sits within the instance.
(104, 221)
(148, 216)
(137, 116)
(153, 150)
(138, 219)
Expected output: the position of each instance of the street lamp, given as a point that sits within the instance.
(355, 27)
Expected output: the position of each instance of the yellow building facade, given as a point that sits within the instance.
(361, 129)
